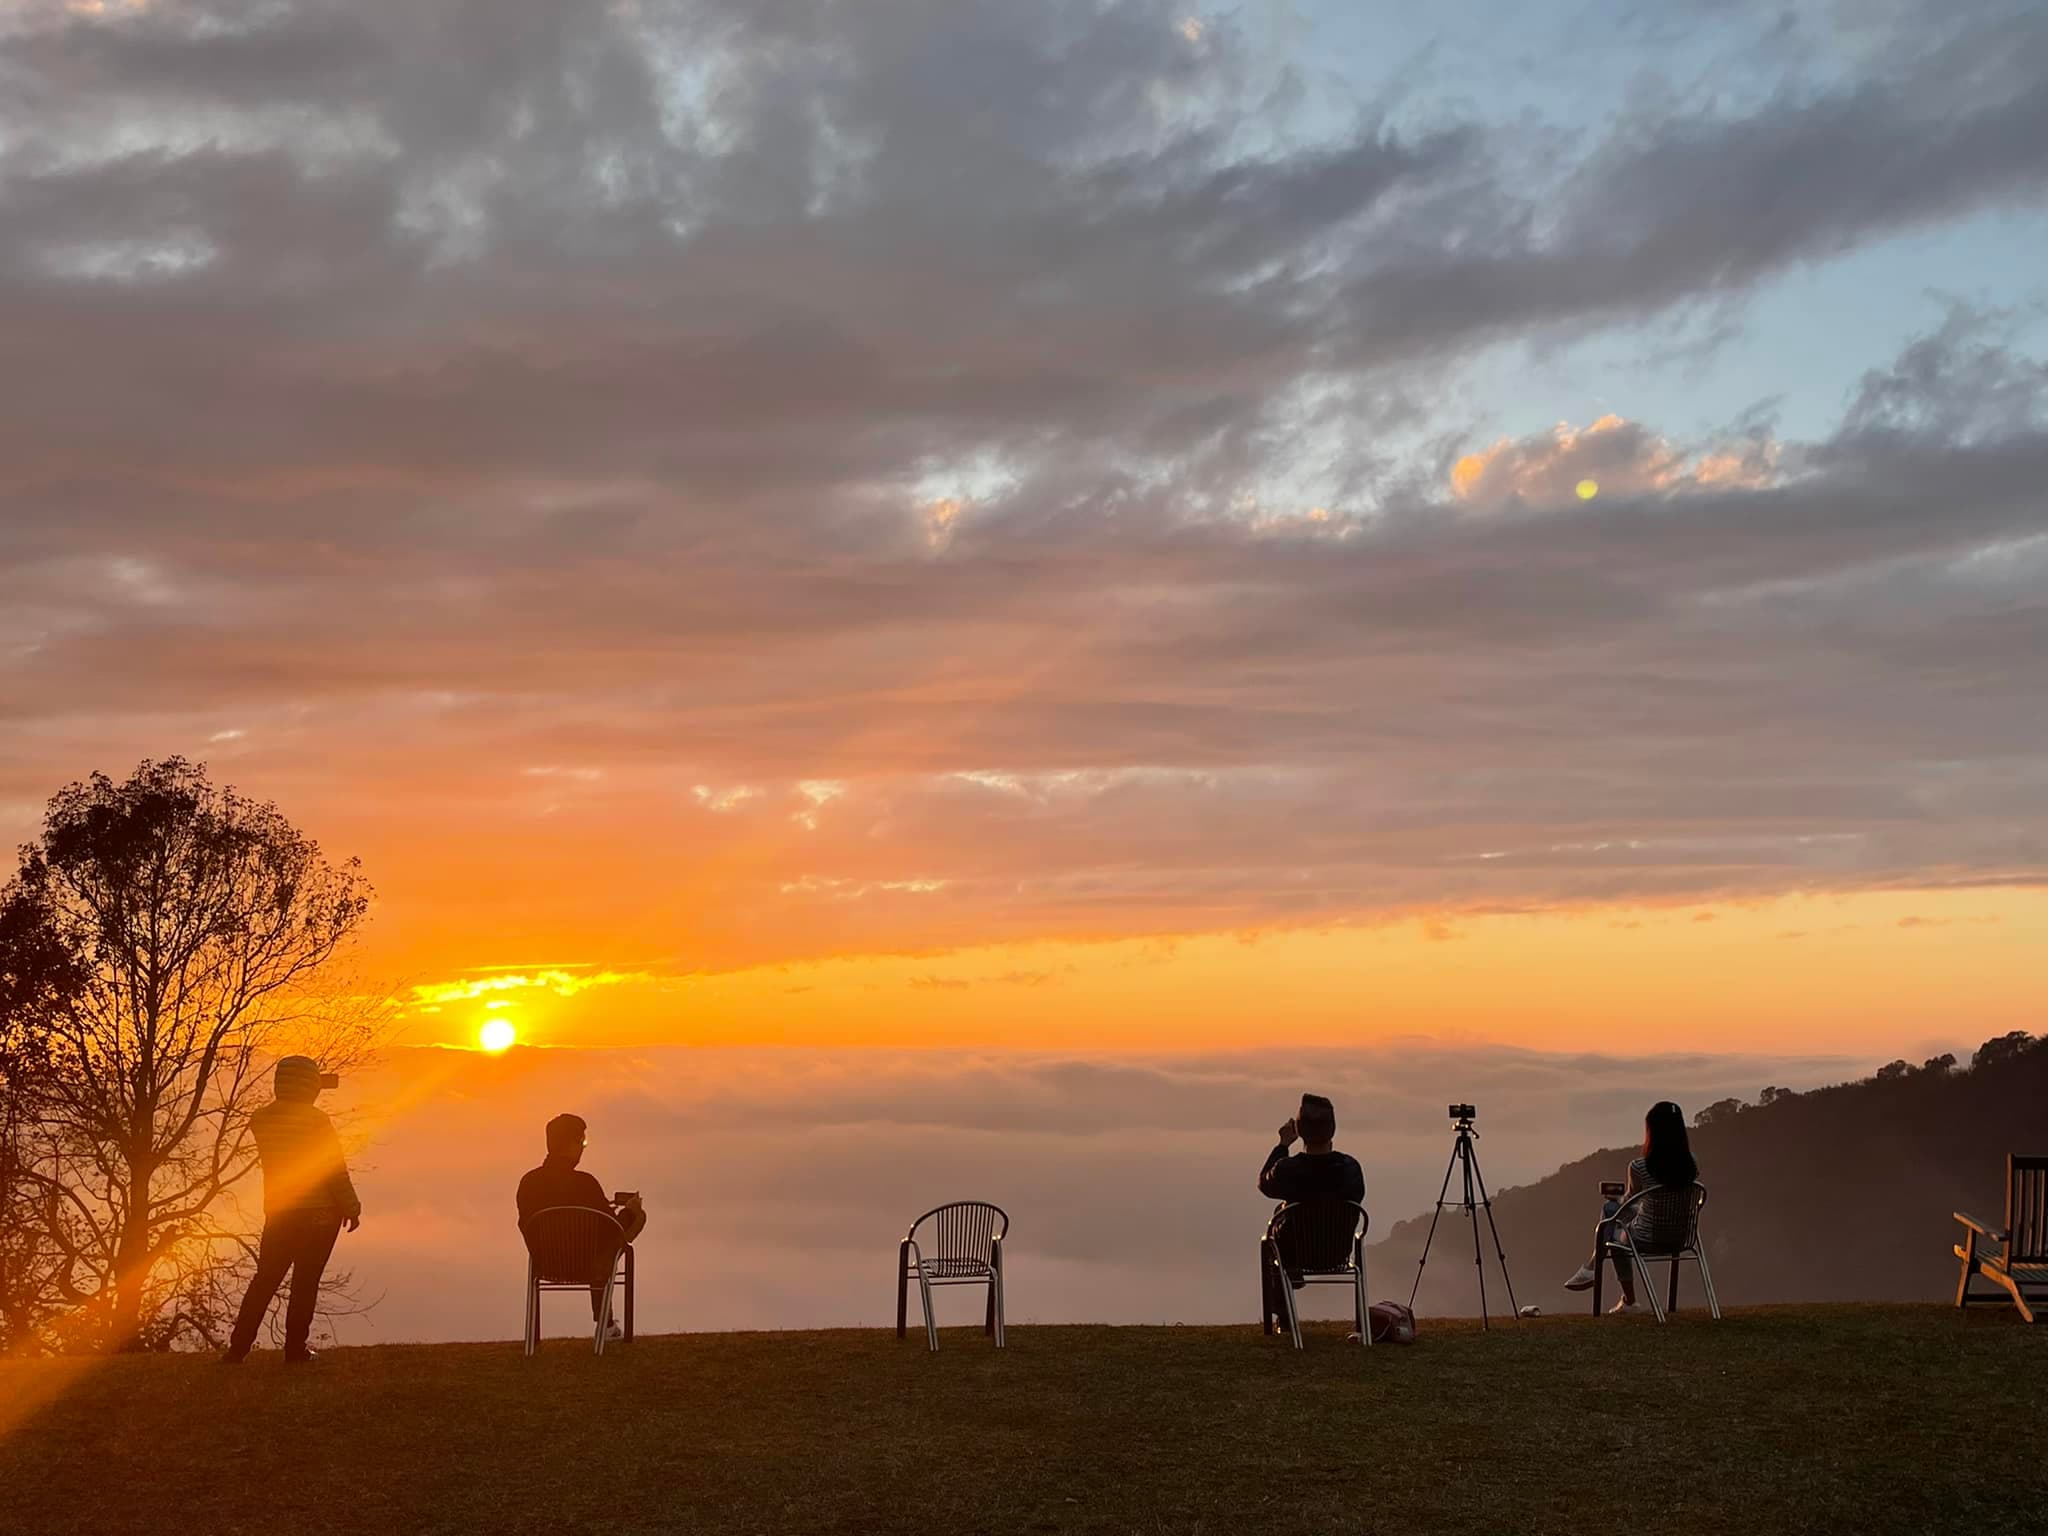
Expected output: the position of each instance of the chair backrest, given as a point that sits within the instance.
(1669, 1212)
(2026, 1209)
(572, 1242)
(1318, 1236)
(966, 1230)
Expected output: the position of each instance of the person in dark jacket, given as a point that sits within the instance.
(307, 1198)
(558, 1181)
(1317, 1172)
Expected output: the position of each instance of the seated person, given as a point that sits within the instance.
(1317, 1172)
(558, 1181)
(1661, 1222)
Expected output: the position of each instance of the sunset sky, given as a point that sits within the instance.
(1064, 528)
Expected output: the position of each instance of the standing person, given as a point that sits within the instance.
(1317, 1172)
(307, 1197)
(558, 1181)
(1661, 1221)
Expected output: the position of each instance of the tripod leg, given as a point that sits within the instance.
(1472, 1213)
(1448, 1168)
(1498, 1251)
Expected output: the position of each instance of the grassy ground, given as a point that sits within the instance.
(1864, 1419)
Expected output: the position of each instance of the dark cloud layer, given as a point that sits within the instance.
(971, 412)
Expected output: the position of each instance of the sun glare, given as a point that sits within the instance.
(497, 1035)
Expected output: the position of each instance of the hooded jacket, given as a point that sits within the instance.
(304, 1170)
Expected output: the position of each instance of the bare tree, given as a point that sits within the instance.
(192, 926)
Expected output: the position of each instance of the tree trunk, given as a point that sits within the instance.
(131, 1263)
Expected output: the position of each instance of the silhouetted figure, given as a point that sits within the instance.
(558, 1181)
(307, 1197)
(1656, 1225)
(1317, 1172)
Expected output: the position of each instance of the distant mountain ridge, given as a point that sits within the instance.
(1842, 1193)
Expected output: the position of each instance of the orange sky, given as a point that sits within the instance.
(1860, 975)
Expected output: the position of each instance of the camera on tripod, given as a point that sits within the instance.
(1473, 1201)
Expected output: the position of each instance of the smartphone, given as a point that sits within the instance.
(330, 1079)
(1610, 1189)
(625, 1196)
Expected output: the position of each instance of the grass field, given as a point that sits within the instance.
(1864, 1419)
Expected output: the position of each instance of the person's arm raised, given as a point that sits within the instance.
(1271, 1180)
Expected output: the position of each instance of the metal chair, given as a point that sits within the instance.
(2015, 1257)
(572, 1248)
(1317, 1242)
(967, 1249)
(1676, 1209)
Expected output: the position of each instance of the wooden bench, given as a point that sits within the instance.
(2013, 1257)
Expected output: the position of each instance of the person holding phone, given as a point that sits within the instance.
(558, 1181)
(1659, 1223)
(307, 1198)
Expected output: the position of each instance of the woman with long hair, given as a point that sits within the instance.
(1662, 1219)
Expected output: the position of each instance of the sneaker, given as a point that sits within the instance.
(613, 1333)
(301, 1356)
(1623, 1306)
(1582, 1280)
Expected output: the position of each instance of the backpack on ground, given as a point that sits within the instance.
(1392, 1323)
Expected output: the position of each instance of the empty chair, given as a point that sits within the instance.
(1672, 1214)
(963, 1246)
(1317, 1242)
(573, 1248)
(2013, 1257)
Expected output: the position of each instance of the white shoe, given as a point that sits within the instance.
(613, 1333)
(1582, 1280)
(1621, 1307)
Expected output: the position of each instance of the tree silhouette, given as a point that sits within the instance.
(35, 974)
(162, 940)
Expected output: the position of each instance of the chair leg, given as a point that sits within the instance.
(1643, 1283)
(1364, 1311)
(988, 1317)
(931, 1325)
(2010, 1285)
(1672, 1305)
(1293, 1311)
(604, 1315)
(1600, 1263)
(629, 1293)
(532, 1310)
(1707, 1284)
(996, 1294)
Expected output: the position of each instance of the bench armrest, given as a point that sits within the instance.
(1982, 1229)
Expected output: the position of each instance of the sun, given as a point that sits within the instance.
(1588, 489)
(497, 1035)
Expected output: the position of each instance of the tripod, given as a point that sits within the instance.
(1464, 1158)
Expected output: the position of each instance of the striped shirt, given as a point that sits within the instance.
(1662, 1220)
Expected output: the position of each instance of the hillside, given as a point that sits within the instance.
(1839, 1194)
(1783, 1420)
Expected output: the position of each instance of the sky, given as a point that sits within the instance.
(952, 531)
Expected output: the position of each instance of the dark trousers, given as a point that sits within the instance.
(1272, 1299)
(296, 1243)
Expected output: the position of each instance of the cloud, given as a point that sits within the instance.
(1620, 458)
(890, 476)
